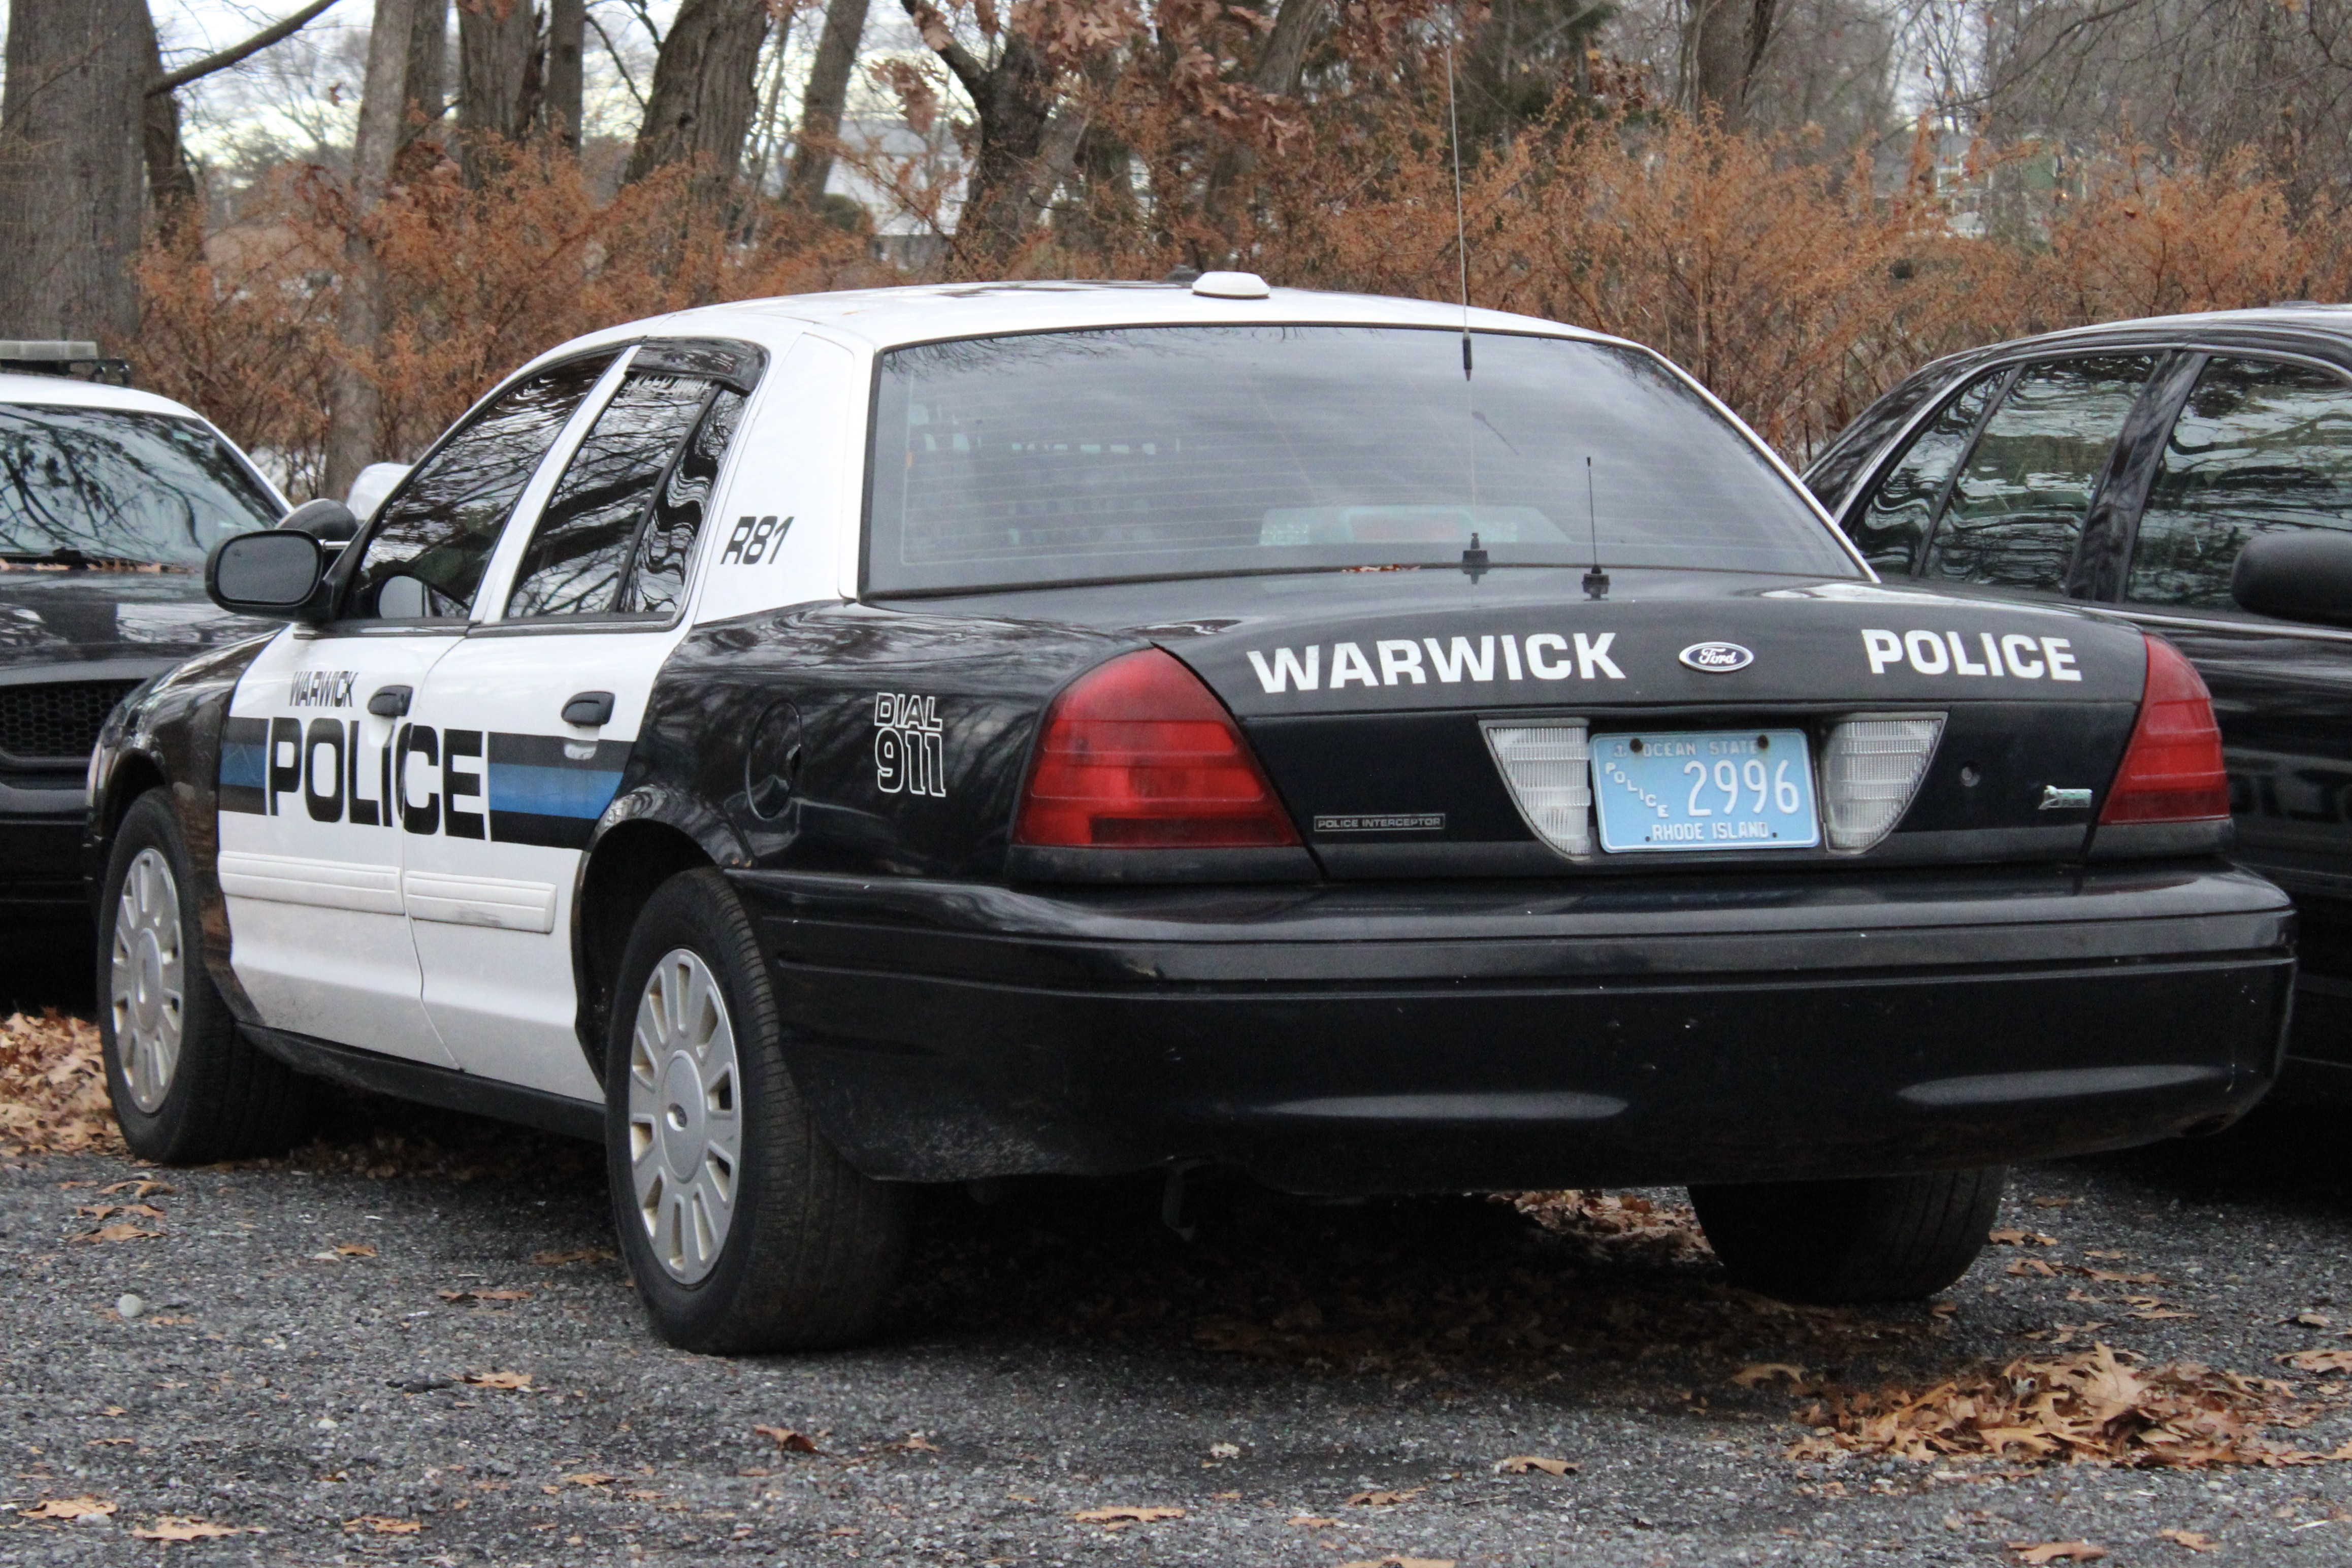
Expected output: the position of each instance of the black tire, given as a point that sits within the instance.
(810, 1247)
(1887, 1238)
(223, 1100)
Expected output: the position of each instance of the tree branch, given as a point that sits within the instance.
(171, 82)
(619, 64)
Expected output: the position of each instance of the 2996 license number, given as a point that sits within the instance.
(1704, 789)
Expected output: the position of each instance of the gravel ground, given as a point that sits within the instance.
(1309, 1384)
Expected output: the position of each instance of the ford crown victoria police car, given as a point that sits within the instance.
(827, 745)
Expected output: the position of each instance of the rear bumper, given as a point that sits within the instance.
(1424, 1036)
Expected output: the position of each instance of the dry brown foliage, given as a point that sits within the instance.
(2099, 1404)
(53, 1088)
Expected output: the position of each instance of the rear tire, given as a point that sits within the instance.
(187, 1088)
(744, 1229)
(1886, 1239)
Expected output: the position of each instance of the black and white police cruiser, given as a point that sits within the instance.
(822, 745)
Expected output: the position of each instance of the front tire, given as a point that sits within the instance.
(744, 1229)
(1887, 1238)
(187, 1088)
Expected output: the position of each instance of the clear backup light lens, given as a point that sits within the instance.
(1870, 769)
(1548, 768)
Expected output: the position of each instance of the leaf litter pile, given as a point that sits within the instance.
(53, 1088)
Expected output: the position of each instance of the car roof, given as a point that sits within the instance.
(2291, 323)
(66, 392)
(890, 318)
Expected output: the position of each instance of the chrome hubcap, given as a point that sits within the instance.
(686, 1121)
(147, 969)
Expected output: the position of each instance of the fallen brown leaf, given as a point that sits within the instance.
(383, 1525)
(70, 1508)
(353, 1249)
(174, 1528)
(458, 1297)
(914, 1443)
(121, 1230)
(2056, 1551)
(2032, 1268)
(1126, 1515)
(589, 1478)
(1521, 1464)
(141, 1187)
(2021, 1238)
(2312, 1319)
(53, 1088)
(2318, 1361)
(2155, 1314)
(2053, 1203)
(1764, 1372)
(2194, 1540)
(2109, 1276)
(510, 1382)
(789, 1441)
(1393, 1561)
(1385, 1500)
(578, 1255)
(1314, 1521)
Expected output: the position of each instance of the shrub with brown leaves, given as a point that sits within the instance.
(53, 1088)
(2100, 1405)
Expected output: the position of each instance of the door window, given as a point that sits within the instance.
(2259, 447)
(614, 536)
(425, 555)
(1891, 528)
(2015, 512)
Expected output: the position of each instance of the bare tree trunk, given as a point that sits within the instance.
(1722, 44)
(1277, 74)
(384, 109)
(1013, 100)
(497, 78)
(826, 97)
(171, 182)
(72, 125)
(567, 32)
(428, 66)
(705, 91)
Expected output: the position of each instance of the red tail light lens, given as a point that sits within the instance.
(2172, 769)
(1139, 754)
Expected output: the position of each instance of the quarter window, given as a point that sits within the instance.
(590, 538)
(425, 555)
(2259, 447)
(1891, 528)
(2015, 512)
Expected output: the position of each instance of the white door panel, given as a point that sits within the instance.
(490, 901)
(311, 841)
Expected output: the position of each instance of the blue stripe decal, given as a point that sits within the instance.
(244, 764)
(552, 792)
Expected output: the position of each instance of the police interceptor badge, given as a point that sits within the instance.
(1717, 657)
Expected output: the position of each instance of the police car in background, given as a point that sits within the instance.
(825, 745)
(109, 500)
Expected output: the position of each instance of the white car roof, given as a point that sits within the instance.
(888, 317)
(65, 391)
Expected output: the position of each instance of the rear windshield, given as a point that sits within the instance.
(113, 484)
(1181, 451)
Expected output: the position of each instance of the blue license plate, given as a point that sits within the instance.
(1704, 789)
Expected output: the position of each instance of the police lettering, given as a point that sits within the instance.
(753, 539)
(2011, 655)
(910, 745)
(1394, 661)
(321, 687)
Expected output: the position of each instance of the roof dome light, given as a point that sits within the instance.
(1231, 286)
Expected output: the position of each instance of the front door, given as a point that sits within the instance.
(540, 709)
(323, 776)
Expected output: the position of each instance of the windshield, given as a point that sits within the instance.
(110, 484)
(1178, 451)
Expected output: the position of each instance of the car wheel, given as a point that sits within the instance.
(744, 1229)
(187, 1088)
(1887, 1238)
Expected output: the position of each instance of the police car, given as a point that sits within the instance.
(824, 746)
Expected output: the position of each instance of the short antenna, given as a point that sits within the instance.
(1596, 581)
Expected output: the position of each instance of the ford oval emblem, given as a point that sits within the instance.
(1717, 657)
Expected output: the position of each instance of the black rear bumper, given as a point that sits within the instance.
(1411, 1037)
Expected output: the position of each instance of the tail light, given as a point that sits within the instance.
(1139, 755)
(2173, 770)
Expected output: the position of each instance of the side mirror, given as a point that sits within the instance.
(2300, 575)
(328, 522)
(276, 573)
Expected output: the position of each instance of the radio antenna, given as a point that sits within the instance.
(1461, 232)
(1596, 582)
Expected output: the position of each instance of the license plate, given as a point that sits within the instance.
(1704, 789)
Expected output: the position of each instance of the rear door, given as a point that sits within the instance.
(2263, 445)
(538, 710)
(322, 774)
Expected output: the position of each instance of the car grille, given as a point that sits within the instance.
(55, 723)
